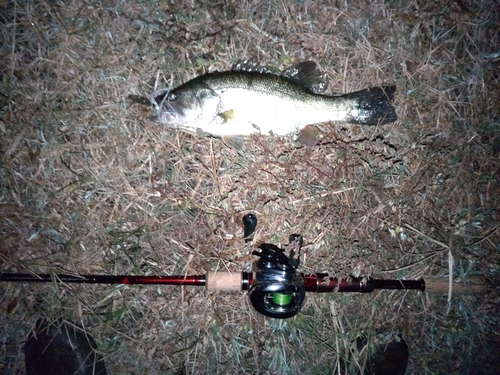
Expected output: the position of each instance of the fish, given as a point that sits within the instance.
(249, 99)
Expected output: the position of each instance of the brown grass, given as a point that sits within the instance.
(89, 185)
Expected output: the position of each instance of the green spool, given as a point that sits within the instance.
(282, 299)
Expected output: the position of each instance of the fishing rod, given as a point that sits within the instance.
(274, 287)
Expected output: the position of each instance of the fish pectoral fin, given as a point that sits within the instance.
(201, 132)
(236, 142)
(227, 116)
(308, 136)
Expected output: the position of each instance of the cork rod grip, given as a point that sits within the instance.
(475, 285)
(229, 282)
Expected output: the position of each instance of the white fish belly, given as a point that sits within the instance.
(247, 112)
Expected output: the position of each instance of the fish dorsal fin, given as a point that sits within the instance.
(253, 67)
(308, 75)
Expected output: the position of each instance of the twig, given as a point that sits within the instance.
(408, 226)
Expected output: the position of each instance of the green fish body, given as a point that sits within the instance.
(235, 104)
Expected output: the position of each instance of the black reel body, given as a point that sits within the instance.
(277, 289)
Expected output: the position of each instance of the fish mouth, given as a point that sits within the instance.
(165, 114)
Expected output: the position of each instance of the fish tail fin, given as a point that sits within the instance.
(372, 106)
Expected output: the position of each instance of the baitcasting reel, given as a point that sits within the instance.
(277, 290)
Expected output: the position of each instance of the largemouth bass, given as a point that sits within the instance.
(234, 104)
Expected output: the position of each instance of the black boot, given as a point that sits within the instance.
(390, 358)
(62, 349)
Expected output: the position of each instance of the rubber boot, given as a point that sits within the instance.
(389, 359)
(62, 349)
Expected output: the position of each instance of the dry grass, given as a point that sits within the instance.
(89, 185)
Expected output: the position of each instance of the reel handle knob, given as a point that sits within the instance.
(249, 225)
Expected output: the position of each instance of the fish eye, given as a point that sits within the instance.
(172, 97)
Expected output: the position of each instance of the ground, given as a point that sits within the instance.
(89, 185)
